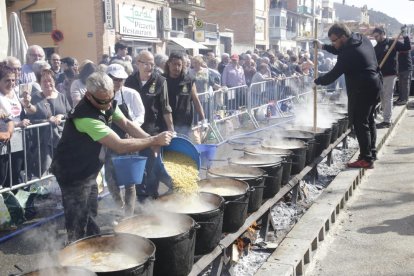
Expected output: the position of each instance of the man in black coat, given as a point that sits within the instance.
(388, 70)
(357, 61)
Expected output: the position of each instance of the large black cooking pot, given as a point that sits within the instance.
(286, 155)
(271, 164)
(111, 255)
(306, 137)
(206, 209)
(298, 148)
(174, 238)
(253, 176)
(322, 137)
(59, 271)
(235, 193)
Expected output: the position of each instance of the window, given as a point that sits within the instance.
(41, 22)
(178, 24)
(277, 21)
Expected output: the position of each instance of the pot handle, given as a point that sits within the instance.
(237, 202)
(151, 259)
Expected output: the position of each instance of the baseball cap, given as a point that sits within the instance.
(116, 71)
(234, 57)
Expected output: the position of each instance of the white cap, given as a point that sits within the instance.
(116, 71)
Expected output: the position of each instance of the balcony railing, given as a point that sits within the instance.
(188, 5)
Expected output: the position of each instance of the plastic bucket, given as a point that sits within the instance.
(184, 146)
(207, 153)
(129, 169)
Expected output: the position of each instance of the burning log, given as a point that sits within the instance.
(243, 244)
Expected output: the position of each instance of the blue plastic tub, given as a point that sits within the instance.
(129, 169)
(207, 153)
(184, 146)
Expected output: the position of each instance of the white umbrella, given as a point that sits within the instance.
(17, 41)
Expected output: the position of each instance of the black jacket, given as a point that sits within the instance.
(154, 96)
(390, 66)
(77, 155)
(357, 61)
(181, 101)
(405, 62)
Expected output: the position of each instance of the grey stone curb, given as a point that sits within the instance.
(296, 251)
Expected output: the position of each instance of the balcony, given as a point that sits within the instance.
(277, 33)
(188, 5)
(304, 10)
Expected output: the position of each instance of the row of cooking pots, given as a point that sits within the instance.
(256, 175)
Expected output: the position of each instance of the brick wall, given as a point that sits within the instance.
(237, 15)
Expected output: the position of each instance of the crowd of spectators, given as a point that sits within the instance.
(157, 92)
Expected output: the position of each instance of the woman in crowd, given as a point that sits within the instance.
(78, 87)
(46, 106)
(11, 106)
(6, 132)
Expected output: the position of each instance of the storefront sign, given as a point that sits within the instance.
(137, 20)
(199, 36)
(109, 19)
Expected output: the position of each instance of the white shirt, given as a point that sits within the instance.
(12, 107)
(77, 91)
(134, 102)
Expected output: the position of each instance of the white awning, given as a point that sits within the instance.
(187, 43)
(140, 39)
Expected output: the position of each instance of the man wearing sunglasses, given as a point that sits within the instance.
(80, 153)
(357, 61)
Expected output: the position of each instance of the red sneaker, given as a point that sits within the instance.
(361, 164)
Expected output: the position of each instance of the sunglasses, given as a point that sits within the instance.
(102, 102)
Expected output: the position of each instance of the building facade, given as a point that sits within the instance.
(292, 23)
(87, 29)
(249, 22)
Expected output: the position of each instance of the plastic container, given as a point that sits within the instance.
(129, 169)
(184, 146)
(207, 153)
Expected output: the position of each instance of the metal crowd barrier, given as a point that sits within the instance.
(234, 107)
(25, 144)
